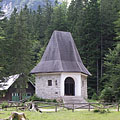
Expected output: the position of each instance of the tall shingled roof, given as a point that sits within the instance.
(61, 55)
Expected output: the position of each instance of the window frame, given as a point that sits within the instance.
(49, 82)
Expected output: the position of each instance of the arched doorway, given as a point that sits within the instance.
(69, 86)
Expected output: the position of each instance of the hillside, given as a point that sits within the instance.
(8, 5)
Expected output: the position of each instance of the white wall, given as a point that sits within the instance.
(42, 89)
(77, 79)
(49, 92)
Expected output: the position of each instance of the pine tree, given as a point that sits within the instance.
(109, 14)
(90, 42)
(19, 47)
(111, 76)
(58, 18)
(2, 47)
(2, 44)
(112, 70)
(85, 27)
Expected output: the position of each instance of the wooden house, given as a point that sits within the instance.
(14, 88)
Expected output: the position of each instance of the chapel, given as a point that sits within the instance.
(60, 71)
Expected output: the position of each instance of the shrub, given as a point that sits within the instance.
(98, 110)
(107, 94)
(55, 100)
(4, 105)
(95, 97)
(91, 91)
(35, 98)
(103, 111)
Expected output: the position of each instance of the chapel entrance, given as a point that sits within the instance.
(69, 86)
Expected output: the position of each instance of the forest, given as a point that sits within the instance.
(95, 27)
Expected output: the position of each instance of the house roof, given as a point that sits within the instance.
(61, 55)
(8, 81)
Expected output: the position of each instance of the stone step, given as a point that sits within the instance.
(77, 101)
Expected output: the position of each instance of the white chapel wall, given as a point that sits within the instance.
(84, 86)
(77, 79)
(45, 91)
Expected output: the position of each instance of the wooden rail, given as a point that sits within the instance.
(88, 106)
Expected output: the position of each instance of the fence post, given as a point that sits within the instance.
(118, 107)
(73, 108)
(104, 105)
(55, 107)
(89, 106)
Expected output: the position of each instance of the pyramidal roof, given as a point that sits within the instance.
(61, 55)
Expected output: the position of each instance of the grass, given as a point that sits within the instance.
(92, 101)
(66, 115)
(49, 106)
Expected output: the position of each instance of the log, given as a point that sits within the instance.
(17, 116)
(34, 107)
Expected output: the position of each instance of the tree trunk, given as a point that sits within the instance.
(17, 116)
(33, 107)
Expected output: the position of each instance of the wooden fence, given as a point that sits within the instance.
(69, 106)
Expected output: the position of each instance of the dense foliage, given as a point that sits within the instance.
(94, 25)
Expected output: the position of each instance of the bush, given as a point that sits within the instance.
(96, 110)
(35, 98)
(4, 105)
(55, 100)
(107, 94)
(95, 97)
(91, 91)
(101, 111)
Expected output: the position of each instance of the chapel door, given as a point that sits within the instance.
(69, 86)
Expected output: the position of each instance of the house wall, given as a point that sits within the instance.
(19, 90)
(84, 86)
(42, 89)
(30, 89)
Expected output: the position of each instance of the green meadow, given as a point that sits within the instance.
(66, 115)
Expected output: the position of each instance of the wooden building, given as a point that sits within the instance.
(14, 88)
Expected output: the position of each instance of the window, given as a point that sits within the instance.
(56, 92)
(28, 94)
(3, 95)
(49, 82)
(21, 86)
(15, 85)
(26, 85)
(56, 82)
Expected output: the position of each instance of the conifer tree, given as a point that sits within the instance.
(39, 28)
(109, 14)
(2, 44)
(90, 42)
(112, 69)
(19, 48)
(111, 76)
(58, 18)
(85, 27)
